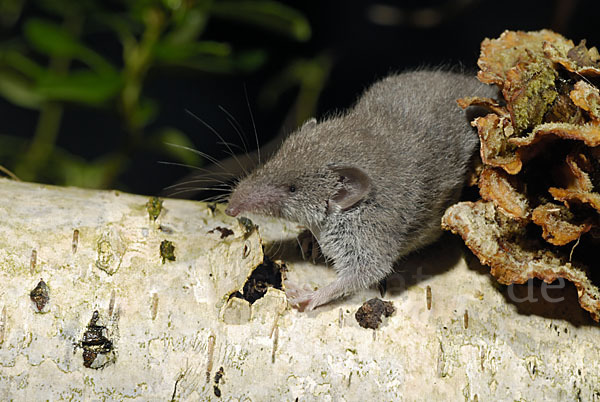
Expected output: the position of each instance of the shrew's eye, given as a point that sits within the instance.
(292, 188)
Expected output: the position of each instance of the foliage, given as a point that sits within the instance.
(52, 62)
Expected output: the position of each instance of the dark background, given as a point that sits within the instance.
(365, 40)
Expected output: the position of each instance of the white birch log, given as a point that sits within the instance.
(174, 334)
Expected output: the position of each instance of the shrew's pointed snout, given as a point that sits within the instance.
(232, 210)
(237, 202)
(254, 198)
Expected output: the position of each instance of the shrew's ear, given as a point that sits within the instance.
(355, 187)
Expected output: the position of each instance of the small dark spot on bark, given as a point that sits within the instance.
(369, 314)
(245, 251)
(219, 374)
(217, 391)
(224, 231)
(94, 341)
(167, 251)
(40, 295)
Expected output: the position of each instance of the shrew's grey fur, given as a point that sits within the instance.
(372, 183)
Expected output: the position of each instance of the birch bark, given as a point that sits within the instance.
(168, 330)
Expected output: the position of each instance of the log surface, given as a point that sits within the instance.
(173, 332)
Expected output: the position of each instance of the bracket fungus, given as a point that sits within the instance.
(540, 184)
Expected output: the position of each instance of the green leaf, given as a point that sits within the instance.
(250, 60)
(177, 52)
(161, 141)
(80, 86)
(266, 14)
(124, 28)
(188, 25)
(19, 91)
(51, 39)
(19, 62)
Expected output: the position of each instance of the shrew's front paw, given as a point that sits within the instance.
(308, 300)
(298, 297)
